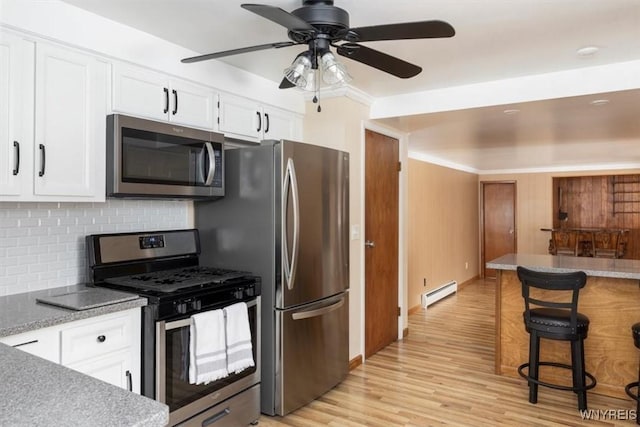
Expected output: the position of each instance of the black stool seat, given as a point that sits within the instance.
(635, 332)
(555, 323)
(556, 320)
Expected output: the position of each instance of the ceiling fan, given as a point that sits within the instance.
(321, 25)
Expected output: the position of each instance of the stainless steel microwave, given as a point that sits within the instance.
(149, 159)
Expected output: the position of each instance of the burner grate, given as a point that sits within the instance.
(172, 280)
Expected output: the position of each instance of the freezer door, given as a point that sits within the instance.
(314, 351)
(314, 223)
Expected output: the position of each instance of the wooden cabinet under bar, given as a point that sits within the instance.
(611, 300)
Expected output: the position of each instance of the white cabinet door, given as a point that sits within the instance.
(16, 115)
(43, 343)
(244, 119)
(192, 105)
(141, 92)
(281, 124)
(113, 368)
(106, 347)
(152, 95)
(240, 118)
(70, 122)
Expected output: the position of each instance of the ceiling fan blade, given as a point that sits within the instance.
(286, 84)
(381, 61)
(403, 31)
(279, 16)
(237, 51)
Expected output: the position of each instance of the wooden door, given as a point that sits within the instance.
(498, 222)
(381, 241)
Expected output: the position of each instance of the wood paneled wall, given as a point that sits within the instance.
(589, 202)
(443, 228)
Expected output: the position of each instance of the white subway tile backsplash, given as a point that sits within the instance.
(42, 245)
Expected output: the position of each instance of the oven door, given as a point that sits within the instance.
(172, 371)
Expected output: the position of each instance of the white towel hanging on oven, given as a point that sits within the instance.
(207, 347)
(239, 347)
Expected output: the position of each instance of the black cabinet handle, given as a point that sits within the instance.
(175, 104)
(16, 147)
(129, 381)
(259, 121)
(266, 126)
(102, 338)
(24, 343)
(166, 100)
(43, 160)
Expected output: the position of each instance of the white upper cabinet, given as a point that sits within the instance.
(70, 123)
(16, 106)
(245, 119)
(154, 95)
(52, 133)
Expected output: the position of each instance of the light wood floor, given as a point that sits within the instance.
(442, 374)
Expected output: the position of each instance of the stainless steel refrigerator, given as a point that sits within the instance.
(285, 217)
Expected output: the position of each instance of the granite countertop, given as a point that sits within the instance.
(596, 267)
(35, 392)
(22, 313)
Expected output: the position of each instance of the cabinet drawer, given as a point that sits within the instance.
(95, 338)
(42, 343)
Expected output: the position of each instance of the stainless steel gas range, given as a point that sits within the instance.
(163, 267)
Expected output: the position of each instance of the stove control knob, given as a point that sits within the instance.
(238, 293)
(196, 304)
(181, 307)
(250, 291)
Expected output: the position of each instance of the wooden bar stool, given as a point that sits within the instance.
(635, 331)
(556, 320)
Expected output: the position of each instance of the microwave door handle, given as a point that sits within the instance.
(212, 164)
(291, 185)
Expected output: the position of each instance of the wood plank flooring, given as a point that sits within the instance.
(442, 374)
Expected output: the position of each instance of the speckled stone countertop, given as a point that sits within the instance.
(596, 267)
(35, 392)
(22, 313)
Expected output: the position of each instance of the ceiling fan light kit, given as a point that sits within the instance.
(321, 25)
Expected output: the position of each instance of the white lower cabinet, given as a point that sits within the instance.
(114, 368)
(105, 347)
(43, 343)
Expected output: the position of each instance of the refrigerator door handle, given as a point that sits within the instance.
(291, 185)
(317, 312)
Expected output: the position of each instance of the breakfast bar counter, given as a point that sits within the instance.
(611, 300)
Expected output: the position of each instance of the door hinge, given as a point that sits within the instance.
(398, 311)
(399, 166)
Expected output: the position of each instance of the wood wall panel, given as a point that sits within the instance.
(443, 229)
(588, 201)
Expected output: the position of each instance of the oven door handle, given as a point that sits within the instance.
(187, 322)
(290, 185)
(212, 164)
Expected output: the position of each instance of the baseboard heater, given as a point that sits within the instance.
(438, 293)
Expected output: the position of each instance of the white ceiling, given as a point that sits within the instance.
(495, 40)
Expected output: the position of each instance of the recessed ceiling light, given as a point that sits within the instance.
(511, 111)
(599, 102)
(587, 51)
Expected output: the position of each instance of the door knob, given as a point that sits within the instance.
(369, 244)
